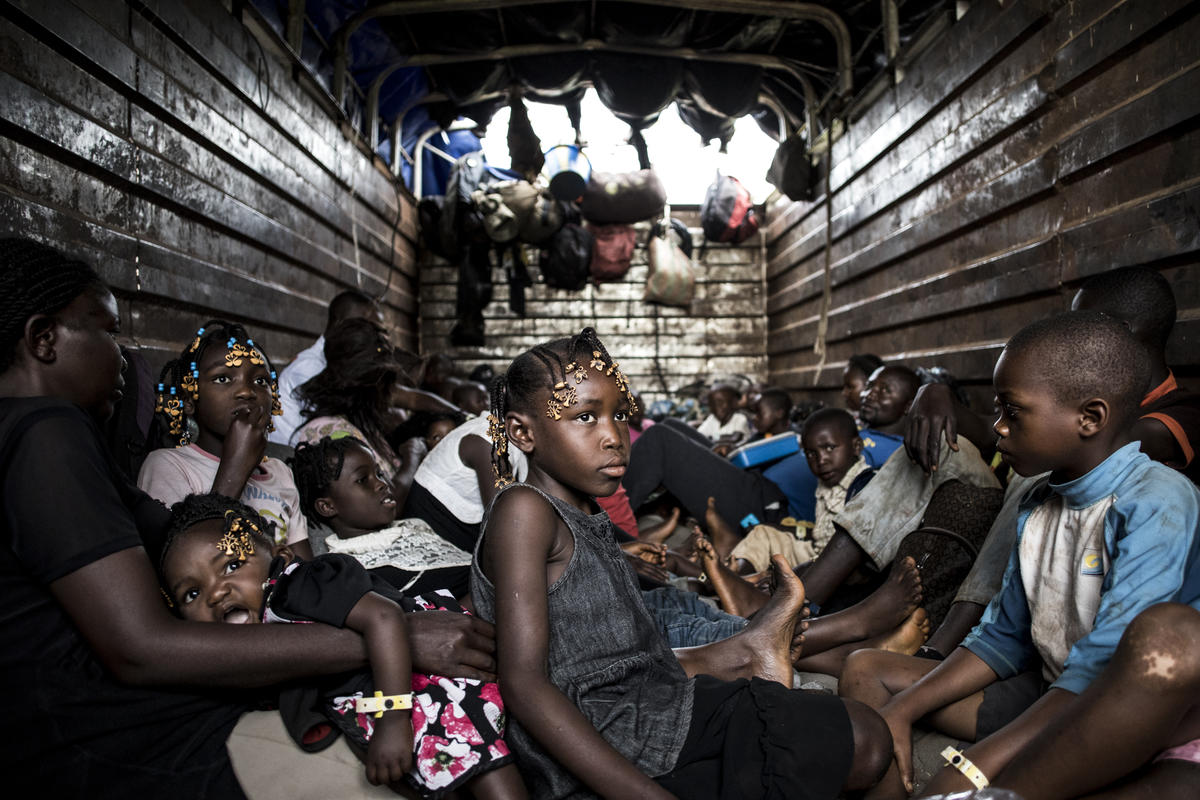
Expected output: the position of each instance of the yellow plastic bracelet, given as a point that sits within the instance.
(379, 704)
(966, 766)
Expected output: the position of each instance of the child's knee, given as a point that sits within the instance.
(1159, 645)
(872, 746)
(862, 670)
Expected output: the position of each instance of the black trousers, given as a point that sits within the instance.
(672, 454)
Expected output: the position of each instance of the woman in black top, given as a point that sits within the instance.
(90, 656)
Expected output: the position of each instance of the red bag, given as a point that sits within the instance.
(612, 251)
(727, 213)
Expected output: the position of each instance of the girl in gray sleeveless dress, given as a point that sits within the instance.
(599, 703)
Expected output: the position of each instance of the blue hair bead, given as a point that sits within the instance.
(250, 342)
(172, 390)
(161, 387)
(232, 341)
(200, 332)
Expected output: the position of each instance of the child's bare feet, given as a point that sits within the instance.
(659, 533)
(766, 647)
(737, 596)
(773, 629)
(893, 602)
(908, 636)
(724, 537)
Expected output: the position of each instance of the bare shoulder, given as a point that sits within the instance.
(522, 510)
(523, 527)
(474, 450)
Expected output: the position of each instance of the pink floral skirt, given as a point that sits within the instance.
(458, 724)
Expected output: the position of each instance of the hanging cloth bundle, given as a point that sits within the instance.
(639, 144)
(524, 147)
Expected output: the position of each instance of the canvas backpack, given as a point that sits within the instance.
(612, 252)
(542, 219)
(671, 281)
(727, 214)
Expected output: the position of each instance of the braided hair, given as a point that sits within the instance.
(179, 376)
(557, 365)
(36, 279)
(315, 467)
(197, 508)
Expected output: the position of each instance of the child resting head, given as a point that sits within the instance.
(471, 397)
(1068, 389)
(341, 486)
(215, 560)
(220, 377)
(831, 444)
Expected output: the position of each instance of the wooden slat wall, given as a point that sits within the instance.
(163, 143)
(1036, 144)
(660, 348)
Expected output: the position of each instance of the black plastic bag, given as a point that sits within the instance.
(566, 263)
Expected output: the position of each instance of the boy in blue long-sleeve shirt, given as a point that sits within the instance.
(1108, 534)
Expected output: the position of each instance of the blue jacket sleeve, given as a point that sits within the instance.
(1002, 639)
(1151, 534)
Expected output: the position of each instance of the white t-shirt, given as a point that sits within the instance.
(307, 364)
(455, 484)
(736, 424)
(170, 475)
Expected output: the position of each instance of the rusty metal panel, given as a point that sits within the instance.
(1035, 145)
(160, 141)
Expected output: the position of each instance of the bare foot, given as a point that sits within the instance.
(773, 628)
(894, 601)
(737, 596)
(908, 636)
(724, 536)
(765, 648)
(659, 533)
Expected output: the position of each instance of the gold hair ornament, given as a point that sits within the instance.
(564, 396)
(168, 403)
(191, 382)
(238, 351)
(236, 540)
(499, 439)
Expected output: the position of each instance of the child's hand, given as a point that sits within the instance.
(247, 437)
(647, 551)
(901, 728)
(244, 446)
(413, 451)
(390, 753)
(646, 569)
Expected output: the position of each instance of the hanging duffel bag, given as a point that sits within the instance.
(566, 262)
(791, 170)
(623, 197)
(612, 252)
(727, 214)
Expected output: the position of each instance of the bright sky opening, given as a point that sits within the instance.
(683, 164)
